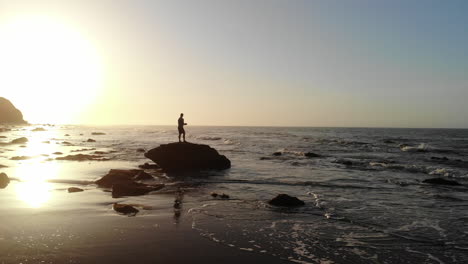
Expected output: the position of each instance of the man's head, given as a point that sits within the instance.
(181, 114)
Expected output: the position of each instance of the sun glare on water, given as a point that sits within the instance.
(48, 69)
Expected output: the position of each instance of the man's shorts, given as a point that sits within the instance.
(181, 130)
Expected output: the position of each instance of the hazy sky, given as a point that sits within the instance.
(279, 63)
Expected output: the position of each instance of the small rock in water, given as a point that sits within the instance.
(90, 140)
(286, 200)
(441, 181)
(67, 135)
(74, 189)
(141, 150)
(224, 196)
(213, 194)
(97, 133)
(133, 189)
(149, 166)
(439, 158)
(4, 180)
(57, 153)
(277, 153)
(125, 209)
(21, 140)
(311, 155)
(38, 129)
(20, 158)
(3, 137)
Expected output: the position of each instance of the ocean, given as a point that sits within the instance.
(364, 193)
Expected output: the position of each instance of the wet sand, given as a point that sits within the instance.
(83, 228)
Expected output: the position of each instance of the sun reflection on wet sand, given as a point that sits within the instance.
(33, 188)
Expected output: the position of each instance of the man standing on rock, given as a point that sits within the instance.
(181, 126)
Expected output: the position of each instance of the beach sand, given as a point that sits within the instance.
(43, 223)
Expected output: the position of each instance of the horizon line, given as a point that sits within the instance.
(265, 126)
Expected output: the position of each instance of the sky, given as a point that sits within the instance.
(362, 63)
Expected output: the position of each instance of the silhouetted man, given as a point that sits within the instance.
(181, 126)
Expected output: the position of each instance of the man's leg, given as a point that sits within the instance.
(179, 136)
(184, 136)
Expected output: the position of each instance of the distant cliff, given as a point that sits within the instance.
(9, 113)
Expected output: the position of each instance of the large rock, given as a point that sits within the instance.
(187, 156)
(9, 114)
(4, 180)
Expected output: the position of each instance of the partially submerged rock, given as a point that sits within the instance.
(123, 183)
(277, 153)
(133, 189)
(142, 176)
(97, 133)
(187, 156)
(20, 140)
(82, 157)
(117, 176)
(311, 155)
(20, 158)
(148, 166)
(286, 200)
(90, 140)
(4, 180)
(74, 189)
(441, 181)
(125, 209)
(37, 129)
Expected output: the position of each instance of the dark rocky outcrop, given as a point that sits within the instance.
(4, 180)
(187, 157)
(74, 189)
(286, 200)
(441, 181)
(9, 114)
(125, 209)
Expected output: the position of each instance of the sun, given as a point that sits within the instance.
(48, 69)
